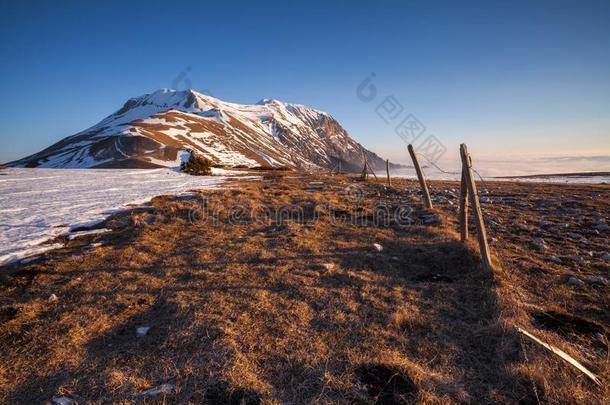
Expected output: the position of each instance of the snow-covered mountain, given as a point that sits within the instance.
(155, 129)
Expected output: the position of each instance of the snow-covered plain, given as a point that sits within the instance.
(39, 204)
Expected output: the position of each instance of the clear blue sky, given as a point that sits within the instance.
(522, 77)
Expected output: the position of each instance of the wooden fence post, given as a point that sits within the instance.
(370, 167)
(463, 208)
(420, 176)
(365, 172)
(387, 169)
(478, 214)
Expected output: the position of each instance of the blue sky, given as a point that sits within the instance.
(506, 77)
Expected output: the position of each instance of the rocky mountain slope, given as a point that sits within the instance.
(156, 130)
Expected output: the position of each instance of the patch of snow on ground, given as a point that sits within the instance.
(39, 204)
(183, 156)
(74, 235)
(217, 171)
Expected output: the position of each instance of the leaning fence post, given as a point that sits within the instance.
(365, 172)
(478, 213)
(370, 168)
(420, 176)
(463, 208)
(387, 169)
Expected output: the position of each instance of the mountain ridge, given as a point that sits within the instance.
(152, 130)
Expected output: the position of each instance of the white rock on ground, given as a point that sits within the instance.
(142, 331)
(63, 401)
(378, 247)
(161, 389)
(53, 298)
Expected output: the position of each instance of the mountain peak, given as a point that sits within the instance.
(266, 101)
(152, 129)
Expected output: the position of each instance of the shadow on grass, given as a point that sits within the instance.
(194, 342)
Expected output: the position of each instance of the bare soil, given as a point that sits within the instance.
(352, 294)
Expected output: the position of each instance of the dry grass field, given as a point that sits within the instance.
(332, 302)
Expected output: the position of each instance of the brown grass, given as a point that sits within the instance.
(243, 310)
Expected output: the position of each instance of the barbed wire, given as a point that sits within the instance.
(481, 178)
(449, 172)
(527, 360)
(435, 165)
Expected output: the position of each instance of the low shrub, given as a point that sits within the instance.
(197, 165)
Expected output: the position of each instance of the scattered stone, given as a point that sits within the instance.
(589, 253)
(53, 298)
(142, 331)
(576, 282)
(328, 266)
(540, 244)
(434, 278)
(555, 259)
(606, 256)
(63, 401)
(598, 280)
(539, 203)
(576, 258)
(602, 226)
(378, 247)
(573, 235)
(161, 389)
(430, 219)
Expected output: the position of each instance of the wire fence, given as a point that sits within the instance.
(455, 173)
